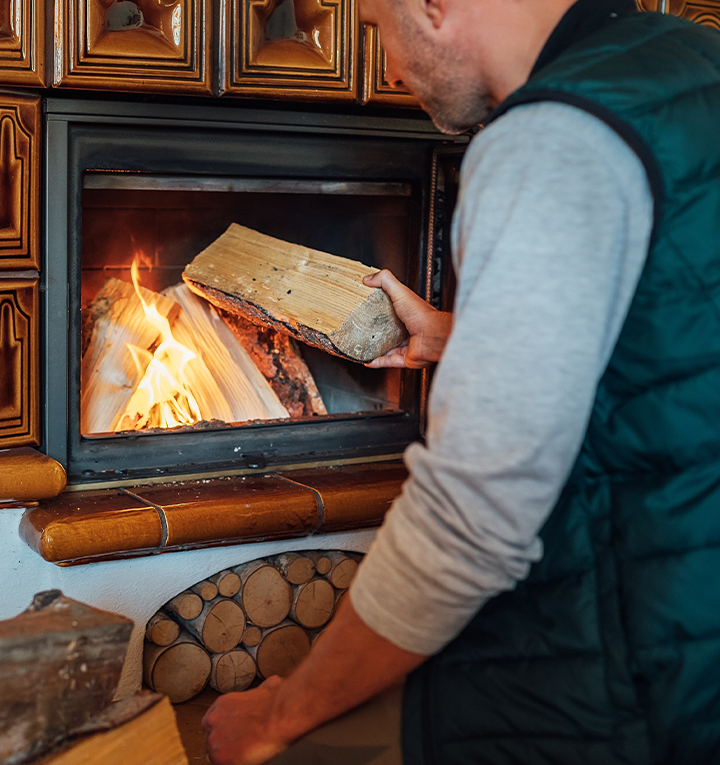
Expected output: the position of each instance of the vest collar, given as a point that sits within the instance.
(582, 19)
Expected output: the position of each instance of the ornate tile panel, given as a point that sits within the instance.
(701, 11)
(19, 182)
(376, 88)
(22, 42)
(134, 45)
(300, 49)
(19, 363)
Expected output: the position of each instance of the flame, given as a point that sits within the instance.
(162, 398)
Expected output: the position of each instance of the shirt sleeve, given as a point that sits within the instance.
(550, 236)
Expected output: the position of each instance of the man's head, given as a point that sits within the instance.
(460, 58)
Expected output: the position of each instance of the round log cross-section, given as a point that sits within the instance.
(180, 670)
(232, 671)
(266, 597)
(221, 627)
(314, 604)
(281, 650)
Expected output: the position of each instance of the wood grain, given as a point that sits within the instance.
(316, 297)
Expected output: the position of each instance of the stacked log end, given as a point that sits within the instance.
(244, 624)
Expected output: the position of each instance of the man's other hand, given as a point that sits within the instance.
(429, 328)
(239, 727)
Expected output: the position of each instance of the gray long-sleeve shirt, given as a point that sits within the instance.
(549, 238)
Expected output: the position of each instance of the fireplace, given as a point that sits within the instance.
(162, 182)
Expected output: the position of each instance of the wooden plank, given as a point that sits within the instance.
(60, 663)
(151, 738)
(314, 296)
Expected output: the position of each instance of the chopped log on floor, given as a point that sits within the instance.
(280, 361)
(265, 596)
(162, 630)
(206, 590)
(232, 671)
(227, 582)
(186, 605)
(180, 670)
(60, 664)
(313, 604)
(315, 297)
(109, 372)
(219, 626)
(148, 738)
(297, 569)
(281, 650)
(342, 571)
(223, 378)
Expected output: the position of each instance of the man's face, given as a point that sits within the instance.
(427, 64)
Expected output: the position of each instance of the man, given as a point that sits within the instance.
(556, 547)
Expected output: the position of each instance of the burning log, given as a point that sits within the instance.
(109, 371)
(232, 671)
(279, 359)
(180, 670)
(315, 297)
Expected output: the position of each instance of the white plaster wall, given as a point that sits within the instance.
(134, 588)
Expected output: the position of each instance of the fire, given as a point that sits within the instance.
(163, 398)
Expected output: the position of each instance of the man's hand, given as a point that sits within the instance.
(240, 727)
(429, 328)
(347, 666)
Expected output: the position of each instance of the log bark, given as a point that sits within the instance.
(315, 297)
(180, 670)
(219, 626)
(297, 569)
(206, 590)
(186, 605)
(162, 630)
(232, 671)
(60, 664)
(281, 650)
(343, 569)
(313, 604)
(227, 582)
(266, 596)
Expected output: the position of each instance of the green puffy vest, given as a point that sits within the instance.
(610, 651)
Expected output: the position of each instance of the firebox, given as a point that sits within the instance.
(154, 184)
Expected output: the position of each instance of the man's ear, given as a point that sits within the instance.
(436, 11)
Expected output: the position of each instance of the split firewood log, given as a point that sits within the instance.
(179, 670)
(297, 568)
(206, 590)
(162, 630)
(281, 650)
(313, 603)
(280, 360)
(109, 371)
(186, 605)
(227, 582)
(315, 297)
(232, 671)
(219, 626)
(265, 596)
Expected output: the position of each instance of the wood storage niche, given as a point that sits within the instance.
(244, 624)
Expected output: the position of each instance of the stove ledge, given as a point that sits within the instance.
(80, 527)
